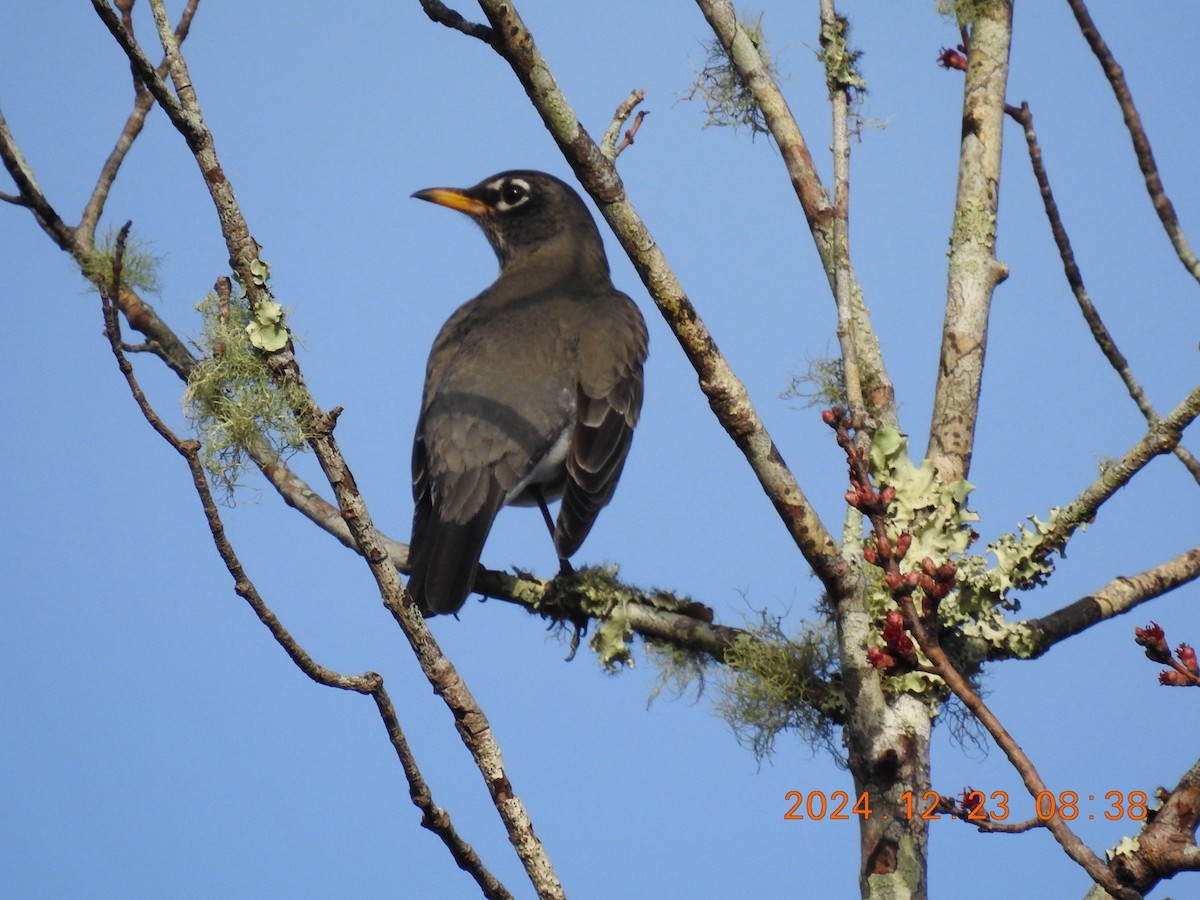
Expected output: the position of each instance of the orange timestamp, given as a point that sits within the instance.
(972, 806)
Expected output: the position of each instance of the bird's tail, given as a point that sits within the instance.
(444, 556)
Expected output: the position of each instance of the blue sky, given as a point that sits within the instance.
(158, 743)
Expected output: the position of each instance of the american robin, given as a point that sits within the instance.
(532, 389)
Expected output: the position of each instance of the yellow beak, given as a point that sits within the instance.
(455, 199)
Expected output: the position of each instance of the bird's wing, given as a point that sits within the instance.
(608, 403)
(476, 441)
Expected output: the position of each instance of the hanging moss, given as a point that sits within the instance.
(771, 685)
(726, 95)
(231, 399)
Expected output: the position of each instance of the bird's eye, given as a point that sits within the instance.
(513, 192)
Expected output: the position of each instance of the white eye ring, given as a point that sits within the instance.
(513, 192)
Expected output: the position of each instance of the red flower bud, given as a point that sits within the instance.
(884, 546)
(1187, 656)
(1155, 641)
(887, 495)
(951, 59)
(829, 417)
(1171, 678)
(902, 544)
(880, 658)
(869, 554)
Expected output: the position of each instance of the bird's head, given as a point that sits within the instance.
(525, 215)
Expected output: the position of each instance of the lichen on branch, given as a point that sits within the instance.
(232, 400)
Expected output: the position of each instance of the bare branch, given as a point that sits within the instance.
(1162, 437)
(1167, 844)
(29, 194)
(974, 270)
(1074, 847)
(1121, 595)
(608, 143)
(832, 30)
(142, 103)
(443, 15)
(433, 817)
(1141, 142)
(1100, 333)
(878, 393)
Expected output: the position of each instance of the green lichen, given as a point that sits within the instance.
(841, 63)
(936, 516)
(975, 222)
(934, 513)
(965, 12)
(265, 329)
(231, 399)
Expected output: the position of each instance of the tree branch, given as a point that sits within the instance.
(879, 400)
(1104, 339)
(433, 817)
(1141, 142)
(608, 143)
(726, 393)
(142, 103)
(440, 13)
(1119, 596)
(833, 32)
(472, 724)
(1167, 843)
(974, 270)
(1162, 437)
(29, 194)
(1074, 847)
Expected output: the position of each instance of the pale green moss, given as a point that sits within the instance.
(231, 399)
(139, 268)
(772, 682)
(727, 98)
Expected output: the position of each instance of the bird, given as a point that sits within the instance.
(532, 390)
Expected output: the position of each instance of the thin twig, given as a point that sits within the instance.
(1100, 333)
(142, 103)
(1141, 142)
(29, 194)
(630, 133)
(840, 232)
(443, 15)
(608, 143)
